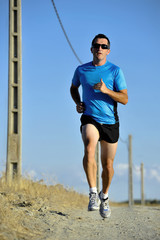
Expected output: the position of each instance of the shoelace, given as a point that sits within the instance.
(92, 197)
(105, 203)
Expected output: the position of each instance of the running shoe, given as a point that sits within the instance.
(105, 210)
(94, 202)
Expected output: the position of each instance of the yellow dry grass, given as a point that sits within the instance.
(21, 200)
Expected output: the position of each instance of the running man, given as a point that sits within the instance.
(103, 85)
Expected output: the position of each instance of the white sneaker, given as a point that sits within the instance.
(94, 202)
(105, 210)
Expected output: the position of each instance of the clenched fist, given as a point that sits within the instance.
(80, 107)
(101, 86)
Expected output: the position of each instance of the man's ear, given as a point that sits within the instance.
(109, 50)
(91, 50)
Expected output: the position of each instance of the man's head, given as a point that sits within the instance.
(100, 49)
(101, 36)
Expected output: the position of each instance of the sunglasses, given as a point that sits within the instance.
(97, 46)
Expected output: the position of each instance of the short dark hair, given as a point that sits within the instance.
(101, 36)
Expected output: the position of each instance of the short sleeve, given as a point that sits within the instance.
(120, 82)
(75, 80)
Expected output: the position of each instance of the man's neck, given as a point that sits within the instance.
(97, 62)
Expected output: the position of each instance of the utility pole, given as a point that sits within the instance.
(142, 184)
(14, 152)
(130, 190)
(98, 167)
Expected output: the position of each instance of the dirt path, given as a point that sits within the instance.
(34, 211)
(142, 223)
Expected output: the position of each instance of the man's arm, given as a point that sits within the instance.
(77, 99)
(121, 96)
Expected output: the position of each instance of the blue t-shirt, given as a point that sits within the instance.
(98, 105)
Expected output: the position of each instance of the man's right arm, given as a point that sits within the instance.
(77, 99)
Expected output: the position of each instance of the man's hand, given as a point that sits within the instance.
(101, 86)
(121, 96)
(80, 107)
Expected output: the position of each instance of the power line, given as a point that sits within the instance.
(74, 52)
(123, 141)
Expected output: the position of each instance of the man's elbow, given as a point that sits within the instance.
(125, 100)
(71, 89)
(124, 96)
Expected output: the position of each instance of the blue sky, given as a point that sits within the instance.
(52, 146)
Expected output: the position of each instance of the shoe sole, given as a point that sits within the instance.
(105, 216)
(93, 209)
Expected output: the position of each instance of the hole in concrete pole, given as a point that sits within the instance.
(15, 92)
(15, 46)
(15, 72)
(15, 21)
(15, 122)
(15, 171)
(15, 3)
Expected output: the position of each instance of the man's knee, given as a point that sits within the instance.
(108, 165)
(89, 151)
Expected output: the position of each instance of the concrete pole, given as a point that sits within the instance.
(142, 184)
(98, 168)
(130, 190)
(14, 152)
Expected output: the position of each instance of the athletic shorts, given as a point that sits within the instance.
(107, 132)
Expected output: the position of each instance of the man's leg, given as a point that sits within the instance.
(90, 136)
(108, 151)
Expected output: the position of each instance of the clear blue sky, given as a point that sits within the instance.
(52, 146)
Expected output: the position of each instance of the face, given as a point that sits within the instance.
(100, 54)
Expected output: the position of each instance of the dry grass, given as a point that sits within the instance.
(22, 200)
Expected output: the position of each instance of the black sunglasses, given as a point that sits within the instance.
(97, 46)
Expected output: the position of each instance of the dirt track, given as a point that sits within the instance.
(125, 223)
(38, 212)
(141, 223)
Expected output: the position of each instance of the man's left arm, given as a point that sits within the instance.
(121, 96)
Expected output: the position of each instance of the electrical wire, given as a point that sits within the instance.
(74, 52)
(123, 141)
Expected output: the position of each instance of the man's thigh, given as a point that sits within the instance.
(90, 135)
(108, 151)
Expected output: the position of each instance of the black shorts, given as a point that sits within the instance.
(107, 132)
